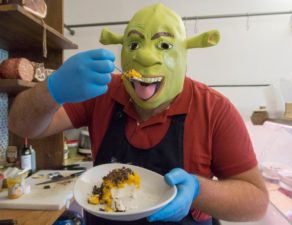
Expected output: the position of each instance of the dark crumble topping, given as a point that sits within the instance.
(116, 177)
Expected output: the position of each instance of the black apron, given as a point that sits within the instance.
(161, 158)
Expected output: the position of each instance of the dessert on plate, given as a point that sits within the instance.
(117, 191)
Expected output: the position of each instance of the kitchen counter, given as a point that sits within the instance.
(31, 217)
(42, 217)
(40, 206)
(279, 200)
(272, 217)
(279, 205)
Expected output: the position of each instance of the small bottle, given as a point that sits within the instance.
(25, 157)
(33, 159)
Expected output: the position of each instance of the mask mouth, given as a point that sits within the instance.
(146, 87)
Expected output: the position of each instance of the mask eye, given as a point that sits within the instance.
(134, 46)
(164, 45)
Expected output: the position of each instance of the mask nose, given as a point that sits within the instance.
(147, 58)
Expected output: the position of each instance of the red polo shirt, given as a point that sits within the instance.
(216, 141)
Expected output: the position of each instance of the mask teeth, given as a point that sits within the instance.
(136, 79)
(148, 80)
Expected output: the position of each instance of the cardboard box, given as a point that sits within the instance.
(288, 111)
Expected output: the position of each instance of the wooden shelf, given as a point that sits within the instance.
(21, 34)
(14, 86)
(22, 31)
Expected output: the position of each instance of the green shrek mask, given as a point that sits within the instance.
(155, 45)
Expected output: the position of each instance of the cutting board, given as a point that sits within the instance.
(39, 198)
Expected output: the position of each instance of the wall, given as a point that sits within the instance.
(253, 50)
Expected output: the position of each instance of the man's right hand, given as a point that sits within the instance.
(83, 76)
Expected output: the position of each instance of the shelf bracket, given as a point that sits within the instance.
(72, 32)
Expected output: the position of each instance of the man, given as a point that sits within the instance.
(163, 121)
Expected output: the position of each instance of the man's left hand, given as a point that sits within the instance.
(188, 188)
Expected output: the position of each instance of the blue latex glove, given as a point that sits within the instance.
(188, 188)
(82, 76)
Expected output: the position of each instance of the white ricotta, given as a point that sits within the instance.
(123, 198)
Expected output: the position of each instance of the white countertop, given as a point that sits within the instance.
(272, 217)
(54, 198)
(272, 142)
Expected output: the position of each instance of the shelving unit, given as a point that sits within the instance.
(22, 30)
(14, 86)
(21, 34)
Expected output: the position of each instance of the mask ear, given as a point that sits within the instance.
(108, 37)
(203, 40)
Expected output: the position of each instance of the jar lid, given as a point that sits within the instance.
(72, 143)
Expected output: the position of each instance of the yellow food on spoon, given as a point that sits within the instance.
(132, 74)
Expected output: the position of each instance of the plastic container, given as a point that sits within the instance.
(84, 142)
(72, 148)
(16, 186)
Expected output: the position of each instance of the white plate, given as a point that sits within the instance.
(154, 192)
(271, 178)
(270, 169)
(286, 177)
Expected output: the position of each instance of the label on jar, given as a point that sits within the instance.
(11, 154)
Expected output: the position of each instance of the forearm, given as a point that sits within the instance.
(231, 200)
(32, 111)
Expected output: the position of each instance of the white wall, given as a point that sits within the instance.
(257, 50)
